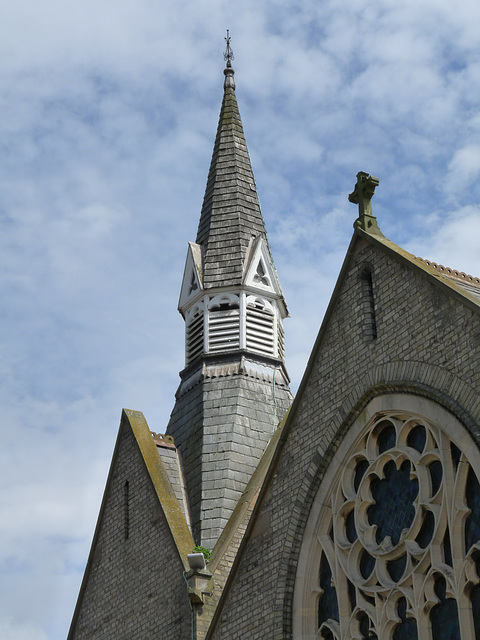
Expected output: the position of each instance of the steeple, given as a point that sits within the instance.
(234, 387)
(231, 213)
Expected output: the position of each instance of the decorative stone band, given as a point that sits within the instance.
(242, 366)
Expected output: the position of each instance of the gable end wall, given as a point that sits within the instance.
(134, 587)
(427, 343)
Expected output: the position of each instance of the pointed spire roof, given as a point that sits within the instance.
(231, 213)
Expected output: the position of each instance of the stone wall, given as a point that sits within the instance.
(221, 428)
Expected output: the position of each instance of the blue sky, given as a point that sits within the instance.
(108, 113)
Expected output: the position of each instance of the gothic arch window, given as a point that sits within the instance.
(392, 544)
(368, 303)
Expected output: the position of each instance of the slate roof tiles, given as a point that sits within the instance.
(231, 213)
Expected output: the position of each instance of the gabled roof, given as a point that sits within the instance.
(463, 286)
(231, 213)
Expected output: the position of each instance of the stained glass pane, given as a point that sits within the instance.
(352, 595)
(436, 473)
(475, 597)
(394, 509)
(387, 438)
(407, 629)
(426, 531)
(327, 603)
(367, 562)
(364, 626)
(396, 568)
(417, 438)
(350, 529)
(472, 524)
(360, 469)
(456, 454)
(447, 548)
(444, 616)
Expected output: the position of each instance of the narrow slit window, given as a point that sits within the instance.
(126, 509)
(368, 305)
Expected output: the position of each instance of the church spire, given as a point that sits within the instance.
(234, 387)
(231, 214)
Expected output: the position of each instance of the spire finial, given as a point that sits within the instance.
(228, 55)
(228, 71)
(362, 195)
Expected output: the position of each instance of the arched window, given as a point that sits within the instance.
(393, 538)
(368, 304)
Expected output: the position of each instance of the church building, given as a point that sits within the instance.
(351, 512)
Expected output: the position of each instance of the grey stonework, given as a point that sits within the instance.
(427, 344)
(133, 587)
(171, 460)
(221, 427)
(231, 213)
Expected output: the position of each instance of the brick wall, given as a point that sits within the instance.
(134, 586)
(427, 343)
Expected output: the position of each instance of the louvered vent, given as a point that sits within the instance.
(260, 334)
(224, 327)
(281, 341)
(194, 336)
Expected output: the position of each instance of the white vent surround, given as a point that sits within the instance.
(194, 334)
(260, 327)
(224, 324)
(231, 322)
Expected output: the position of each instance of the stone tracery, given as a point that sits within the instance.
(397, 546)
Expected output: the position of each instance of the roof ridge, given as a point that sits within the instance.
(451, 273)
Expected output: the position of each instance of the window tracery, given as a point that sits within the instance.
(397, 538)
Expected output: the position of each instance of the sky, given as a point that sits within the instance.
(108, 114)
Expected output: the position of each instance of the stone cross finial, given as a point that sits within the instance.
(362, 195)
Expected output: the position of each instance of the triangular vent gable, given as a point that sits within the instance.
(191, 284)
(260, 272)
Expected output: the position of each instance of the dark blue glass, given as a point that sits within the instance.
(447, 548)
(417, 438)
(475, 597)
(362, 466)
(425, 534)
(396, 568)
(472, 523)
(436, 474)
(456, 455)
(367, 562)
(444, 616)
(366, 627)
(394, 509)
(327, 603)
(407, 629)
(352, 595)
(350, 529)
(387, 438)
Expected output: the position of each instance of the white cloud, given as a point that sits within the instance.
(107, 121)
